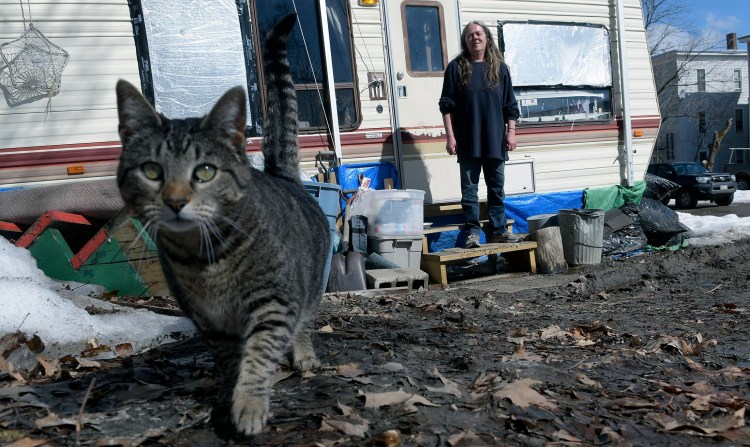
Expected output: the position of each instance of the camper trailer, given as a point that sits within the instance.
(368, 76)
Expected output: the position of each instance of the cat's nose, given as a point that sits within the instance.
(176, 204)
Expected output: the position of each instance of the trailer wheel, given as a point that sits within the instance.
(743, 184)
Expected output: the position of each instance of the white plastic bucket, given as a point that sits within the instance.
(582, 232)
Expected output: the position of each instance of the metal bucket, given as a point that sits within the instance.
(582, 232)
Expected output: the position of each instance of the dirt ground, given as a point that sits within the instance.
(646, 351)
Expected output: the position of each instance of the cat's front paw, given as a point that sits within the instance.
(306, 362)
(249, 413)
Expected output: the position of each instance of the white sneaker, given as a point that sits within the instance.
(472, 241)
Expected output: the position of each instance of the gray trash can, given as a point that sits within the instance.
(582, 232)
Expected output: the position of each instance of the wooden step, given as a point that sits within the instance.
(521, 256)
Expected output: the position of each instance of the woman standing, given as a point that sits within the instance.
(479, 113)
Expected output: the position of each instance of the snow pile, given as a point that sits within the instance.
(714, 230)
(35, 304)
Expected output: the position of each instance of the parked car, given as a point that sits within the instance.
(696, 183)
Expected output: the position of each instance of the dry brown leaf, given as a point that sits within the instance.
(740, 436)
(553, 331)
(714, 425)
(584, 379)
(389, 398)
(124, 350)
(28, 442)
(10, 342)
(53, 420)
(449, 386)
(393, 367)
(520, 393)
(83, 363)
(613, 436)
(632, 403)
(467, 439)
(701, 403)
(564, 435)
(348, 428)
(51, 367)
(345, 409)
(349, 370)
(133, 441)
(35, 344)
(281, 375)
(665, 421)
(95, 351)
(7, 367)
(522, 354)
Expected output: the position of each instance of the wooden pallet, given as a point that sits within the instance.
(521, 256)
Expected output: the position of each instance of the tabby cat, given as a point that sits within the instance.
(243, 250)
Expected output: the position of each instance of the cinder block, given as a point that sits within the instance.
(402, 277)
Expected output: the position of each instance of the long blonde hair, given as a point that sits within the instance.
(492, 57)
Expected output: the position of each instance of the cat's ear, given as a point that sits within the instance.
(229, 117)
(134, 111)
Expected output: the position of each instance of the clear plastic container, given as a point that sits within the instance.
(392, 212)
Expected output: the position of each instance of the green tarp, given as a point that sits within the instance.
(613, 196)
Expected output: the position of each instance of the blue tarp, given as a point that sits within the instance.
(519, 208)
(348, 176)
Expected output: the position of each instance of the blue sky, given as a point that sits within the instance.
(721, 17)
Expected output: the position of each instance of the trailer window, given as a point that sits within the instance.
(305, 52)
(561, 73)
(188, 60)
(425, 55)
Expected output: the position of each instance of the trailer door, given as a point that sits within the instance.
(424, 38)
(428, 40)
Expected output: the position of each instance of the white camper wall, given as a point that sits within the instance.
(99, 39)
(369, 45)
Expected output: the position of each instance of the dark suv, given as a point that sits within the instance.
(696, 183)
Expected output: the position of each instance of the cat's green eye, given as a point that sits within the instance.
(204, 173)
(151, 170)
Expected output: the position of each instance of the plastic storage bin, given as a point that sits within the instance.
(392, 213)
(404, 251)
(327, 195)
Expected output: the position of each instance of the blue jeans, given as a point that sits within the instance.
(494, 178)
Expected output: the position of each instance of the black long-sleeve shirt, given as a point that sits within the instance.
(478, 113)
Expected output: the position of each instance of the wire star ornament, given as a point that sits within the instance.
(32, 68)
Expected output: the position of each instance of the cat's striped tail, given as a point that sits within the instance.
(280, 148)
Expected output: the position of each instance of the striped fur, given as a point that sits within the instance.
(243, 250)
(280, 140)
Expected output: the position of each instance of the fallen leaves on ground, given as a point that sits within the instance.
(521, 393)
(400, 397)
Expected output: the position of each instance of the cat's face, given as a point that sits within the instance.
(182, 175)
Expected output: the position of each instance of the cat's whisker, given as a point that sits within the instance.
(235, 225)
(205, 244)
